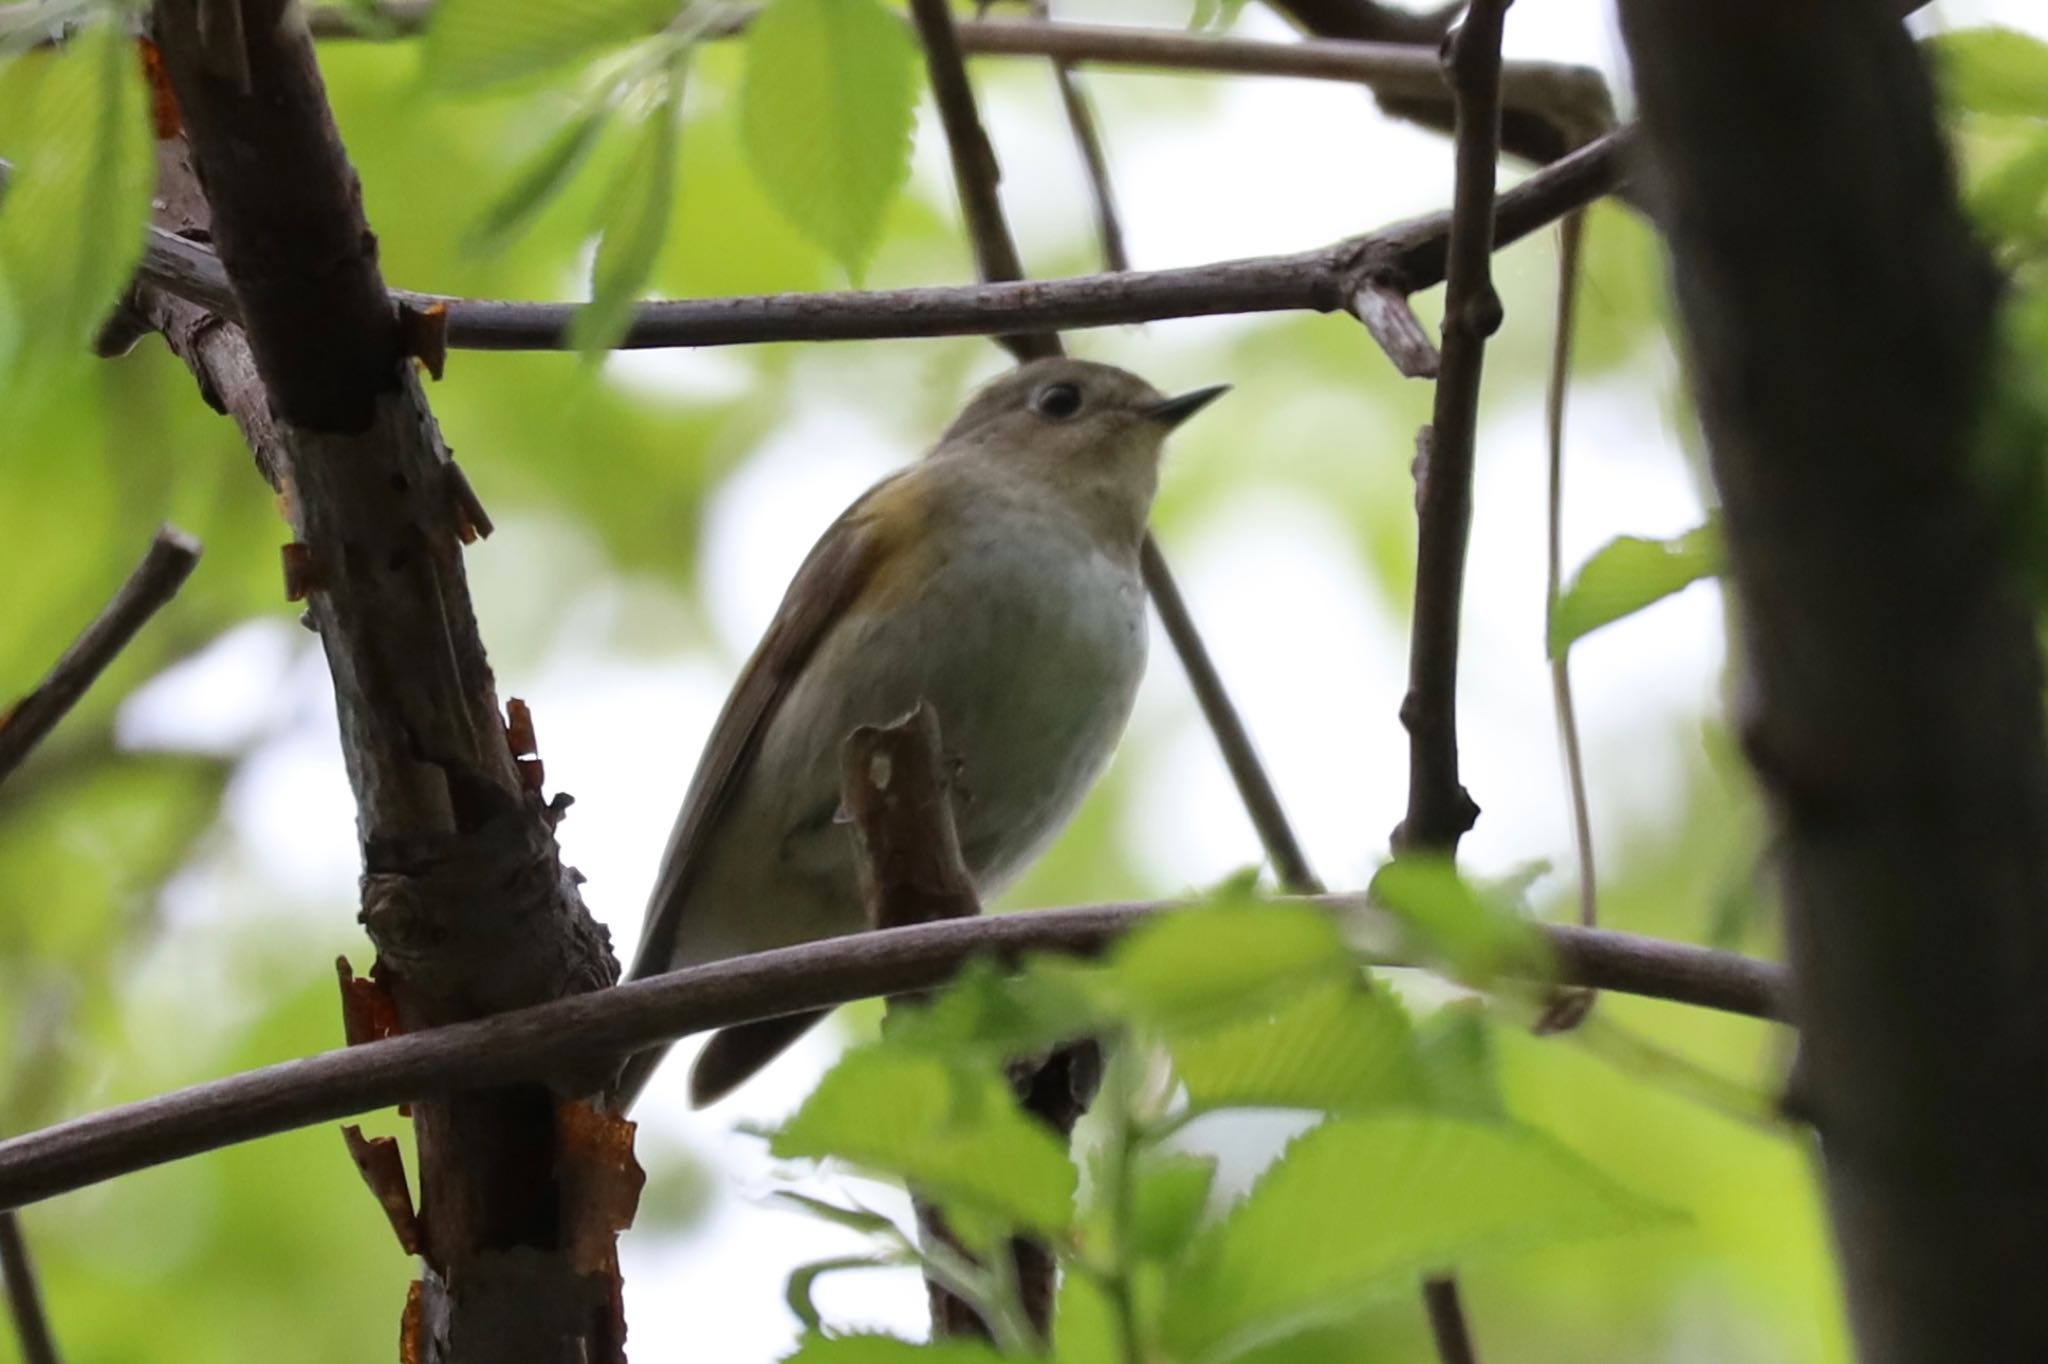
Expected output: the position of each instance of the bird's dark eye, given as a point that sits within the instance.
(1058, 400)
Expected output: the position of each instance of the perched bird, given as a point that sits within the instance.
(997, 580)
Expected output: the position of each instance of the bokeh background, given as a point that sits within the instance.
(177, 867)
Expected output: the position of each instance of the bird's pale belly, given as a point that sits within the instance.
(1032, 670)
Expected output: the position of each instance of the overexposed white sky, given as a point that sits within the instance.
(1321, 702)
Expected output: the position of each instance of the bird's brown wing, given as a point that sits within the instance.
(854, 554)
(850, 555)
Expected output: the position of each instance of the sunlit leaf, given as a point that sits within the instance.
(475, 43)
(1994, 70)
(825, 112)
(1084, 1327)
(539, 179)
(1340, 1045)
(74, 210)
(635, 225)
(1459, 1072)
(1169, 1190)
(1628, 574)
(1050, 1001)
(2009, 199)
(1475, 936)
(954, 1131)
(1193, 966)
(1362, 1204)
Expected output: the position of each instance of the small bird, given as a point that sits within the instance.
(996, 579)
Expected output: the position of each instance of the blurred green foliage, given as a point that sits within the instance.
(493, 154)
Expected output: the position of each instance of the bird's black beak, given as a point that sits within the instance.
(1171, 412)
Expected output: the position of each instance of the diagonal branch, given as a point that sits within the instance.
(976, 174)
(526, 1044)
(169, 561)
(24, 1297)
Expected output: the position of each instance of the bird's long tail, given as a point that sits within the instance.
(728, 1060)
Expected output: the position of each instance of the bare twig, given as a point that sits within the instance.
(1405, 257)
(163, 570)
(1567, 1008)
(1554, 108)
(976, 175)
(1109, 229)
(1254, 787)
(1439, 810)
(528, 1043)
(24, 1296)
(1447, 1324)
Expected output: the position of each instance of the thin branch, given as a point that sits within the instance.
(1447, 1324)
(1109, 228)
(976, 175)
(532, 1044)
(1566, 1009)
(24, 1296)
(1439, 810)
(1404, 257)
(1247, 772)
(165, 566)
(1254, 787)
(1563, 105)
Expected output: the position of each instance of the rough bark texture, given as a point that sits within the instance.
(463, 892)
(1839, 321)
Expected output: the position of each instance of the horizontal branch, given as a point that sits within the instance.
(533, 1043)
(1577, 95)
(1352, 275)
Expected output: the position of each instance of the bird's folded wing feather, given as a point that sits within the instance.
(847, 558)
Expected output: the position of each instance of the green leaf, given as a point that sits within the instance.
(862, 1220)
(640, 203)
(1169, 1191)
(539, 180)
(1459, 1071)
(1361, 1204)
(472, 44)
(1994, 70)
(869, 1349)
(804, 1279)
(74, 212)
(1340, 1044)
(1084, 1327)
(953, 1131)
(1477, 937)
(2008, 200)
(1628, 574)
(987, 1011)
(1193, 967)
(826, 108)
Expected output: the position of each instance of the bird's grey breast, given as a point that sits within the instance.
(1027, 638)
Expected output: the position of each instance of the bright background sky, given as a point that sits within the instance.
(1320, 688)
